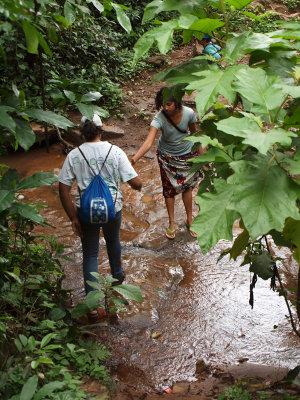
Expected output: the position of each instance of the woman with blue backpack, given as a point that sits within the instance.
(97, 166)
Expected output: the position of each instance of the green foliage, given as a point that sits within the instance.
(42, 354)
(104, 295)
(234, 393)
(252, 141)
(291, 4)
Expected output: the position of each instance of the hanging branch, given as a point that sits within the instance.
(283, 291)
(69, 146)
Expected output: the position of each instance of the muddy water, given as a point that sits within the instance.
(198, 306)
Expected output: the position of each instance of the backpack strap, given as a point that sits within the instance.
(172, 122)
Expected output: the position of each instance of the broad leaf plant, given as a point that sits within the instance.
(249, 112)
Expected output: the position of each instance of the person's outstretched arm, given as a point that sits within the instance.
(145, 146)
(135, 183)
(66, 201)
(193, 127)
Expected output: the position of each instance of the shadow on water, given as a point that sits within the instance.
(198, 305)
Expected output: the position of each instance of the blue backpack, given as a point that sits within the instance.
(96, 203)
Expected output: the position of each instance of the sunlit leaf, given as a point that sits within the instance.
(253, 135)
(263, 91)
(216, 219)
(31, 35)
(69, 12)
(211, 84)
(130, 292)
(122, 18)
(264, 195)
(88, 110)
(36, 180)
(49, 117)
(239, 244)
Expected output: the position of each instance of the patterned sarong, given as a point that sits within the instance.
(175, 173)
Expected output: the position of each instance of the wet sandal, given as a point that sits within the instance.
(170, 234)
(193, 234)
(92, 317)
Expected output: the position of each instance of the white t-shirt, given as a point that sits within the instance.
(117, 168)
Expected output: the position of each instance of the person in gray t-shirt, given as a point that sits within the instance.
(175, 121)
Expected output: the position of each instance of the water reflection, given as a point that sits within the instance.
(200, 306)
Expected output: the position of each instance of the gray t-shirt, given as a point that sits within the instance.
(170, 141)
(117, 167)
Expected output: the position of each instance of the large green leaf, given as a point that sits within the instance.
(239, 4)
(10, 180)
(182, 73)
(6, 198)
(264, 195)
(122, 18)
(88, 110)
(47, 389)
(97, 5)
(44, 44)
(29, 388)
(162, 35)
(129, 292)
(69, 11)
(262, 265)
(211, 84)
(253, 135)
(263, 91)
(142, 46)
(37, 180)
(206, 25)
(212, 155)
(243, 43)
(91, 96)
(6, 120)
(24, 134)
(184, 7)
(215, 220)
(31, 35)
(239, 244)
(291, 231)
(93, 298)
(27, 211)
(49, 117)
(80, 310)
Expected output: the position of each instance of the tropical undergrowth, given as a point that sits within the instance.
(44, 352)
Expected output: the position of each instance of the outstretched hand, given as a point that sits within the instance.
(76, 226)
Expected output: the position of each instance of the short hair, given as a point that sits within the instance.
(162, 96)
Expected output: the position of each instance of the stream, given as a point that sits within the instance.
(199, 306)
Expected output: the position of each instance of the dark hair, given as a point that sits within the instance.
(89, 130)
(159, 99)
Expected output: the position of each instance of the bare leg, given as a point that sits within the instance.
(170, 203)
(187, 198)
